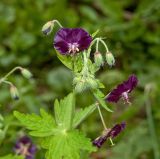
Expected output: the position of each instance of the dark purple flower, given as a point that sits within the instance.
(71, 41)
(109, 133)
(25, 147)
(115, 131)
(122, 90)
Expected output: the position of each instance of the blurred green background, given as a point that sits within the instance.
(132, 31)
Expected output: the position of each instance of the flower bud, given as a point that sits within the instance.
(98, 58)
(76, 80)
(92, 83)
(47, 28)
(110, 58)
(81, 86)
(14, 92)
(27, 74)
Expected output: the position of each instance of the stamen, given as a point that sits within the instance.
(73, 48)
(126, 98)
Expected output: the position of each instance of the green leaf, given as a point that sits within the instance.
(67, 61)
(67, 145)
(82, 114)
(100, 98)
(59, 138)
(40, 126)
(57, 111)
(12, 157)
(95, 33)
(66, 110)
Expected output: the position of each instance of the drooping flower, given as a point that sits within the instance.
(25, 147)
(71, 41)
(109, 133)
(122, 90)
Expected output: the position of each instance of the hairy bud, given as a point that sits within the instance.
(110, 58)
(47, 28)
(14, 92)
(26, 73)
(98, 59)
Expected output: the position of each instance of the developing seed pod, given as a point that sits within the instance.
(98, 59)
(26, 73)
(47, 28)
(14, 92)
(110, 59)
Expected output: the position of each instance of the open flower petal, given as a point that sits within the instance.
(109, 133)
(71, 41)
(123, 88)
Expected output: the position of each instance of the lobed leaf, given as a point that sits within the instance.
(40, 126)
(82, 114)
(68, 144)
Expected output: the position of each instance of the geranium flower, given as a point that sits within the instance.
(25, 147)
(122, 90)
(109, 133)
(71, 41)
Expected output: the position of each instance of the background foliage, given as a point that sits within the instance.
(131, 28)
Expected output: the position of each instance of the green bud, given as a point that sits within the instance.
(81, 86)
(110, 58)
(14, 92)
(76, 80)
(98, 59)
(47, 28)
(27, 74)
(92, 83)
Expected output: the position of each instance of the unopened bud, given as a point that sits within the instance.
(47, 28)
(76, 80)
(26, 73)
(110, 58)
(81, 86)
(92, 83)
(14, 92)
(98, 59)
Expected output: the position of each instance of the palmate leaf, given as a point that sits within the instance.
(67, 145)
(11, 157)
(57, 134)
(40, 126)
(64, 111)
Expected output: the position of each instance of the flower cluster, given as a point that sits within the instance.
(71, 42)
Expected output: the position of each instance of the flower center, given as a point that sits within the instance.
(125, 97)
(23, 150)
(73, 48)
